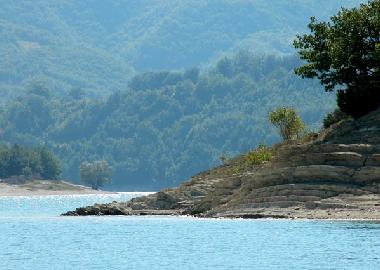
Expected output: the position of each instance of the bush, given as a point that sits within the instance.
(287, 121)
(334, 117)
(258, 156)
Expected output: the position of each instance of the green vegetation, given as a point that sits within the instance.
(96, 45)
(67, 79)
(288, 122)
(258, 156)
(167, 125)
(37, 163)
(334, 117)
(344, 54)
(95, 173)
(252, 158)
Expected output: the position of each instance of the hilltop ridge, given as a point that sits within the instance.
(97, 45)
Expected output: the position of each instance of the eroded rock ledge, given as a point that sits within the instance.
(337, 175)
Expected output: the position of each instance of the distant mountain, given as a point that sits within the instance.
(97, 44)
(168, 125)
(37, 44)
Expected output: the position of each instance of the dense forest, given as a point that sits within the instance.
(97, 45)
(167, 125)
(37, 162)
(159, 90)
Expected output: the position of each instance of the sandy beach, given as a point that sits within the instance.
(41, 188)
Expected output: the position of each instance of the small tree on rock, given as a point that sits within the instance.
(287, 121)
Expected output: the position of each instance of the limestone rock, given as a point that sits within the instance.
(337, 175)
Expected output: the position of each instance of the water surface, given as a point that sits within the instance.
(34, 236)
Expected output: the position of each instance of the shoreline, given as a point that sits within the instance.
(292, 219)
(368, 213)
(376, 220)
(233, 219)
(46, 188)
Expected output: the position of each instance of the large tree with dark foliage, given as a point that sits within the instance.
(344, 54)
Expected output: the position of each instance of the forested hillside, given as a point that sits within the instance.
(156, 88)
(167, 125)
(30, 162)
(96, 44)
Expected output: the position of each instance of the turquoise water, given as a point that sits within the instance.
(34, 236)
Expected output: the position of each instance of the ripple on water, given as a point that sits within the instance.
(53, 205)
(34, 236)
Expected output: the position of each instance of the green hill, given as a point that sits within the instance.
(167, 125)
(96, 45)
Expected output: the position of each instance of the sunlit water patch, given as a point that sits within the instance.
(53, 205)
(34, 236)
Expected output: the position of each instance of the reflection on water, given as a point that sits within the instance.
(363, 225)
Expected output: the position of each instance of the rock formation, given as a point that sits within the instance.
(336, 175)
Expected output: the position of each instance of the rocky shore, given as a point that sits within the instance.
(336, 175)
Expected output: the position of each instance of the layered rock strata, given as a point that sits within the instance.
(337, 175)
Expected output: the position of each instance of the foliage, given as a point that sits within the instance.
(50, 167)
(287, 121)
(258, 156)
(160, 131)
(95, 173)
(334, 117)
(96, 45)
(360, 98)
(36, 162)
(344, 53)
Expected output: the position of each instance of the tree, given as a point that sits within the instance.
(155, 137)
(95, 173)
(50, 167)
(16, 160)
(344, 54)
(287, 121)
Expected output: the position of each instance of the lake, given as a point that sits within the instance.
(34, 236)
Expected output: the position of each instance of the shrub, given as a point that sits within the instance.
(287, 121)
(258, 156)
(334, 117)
